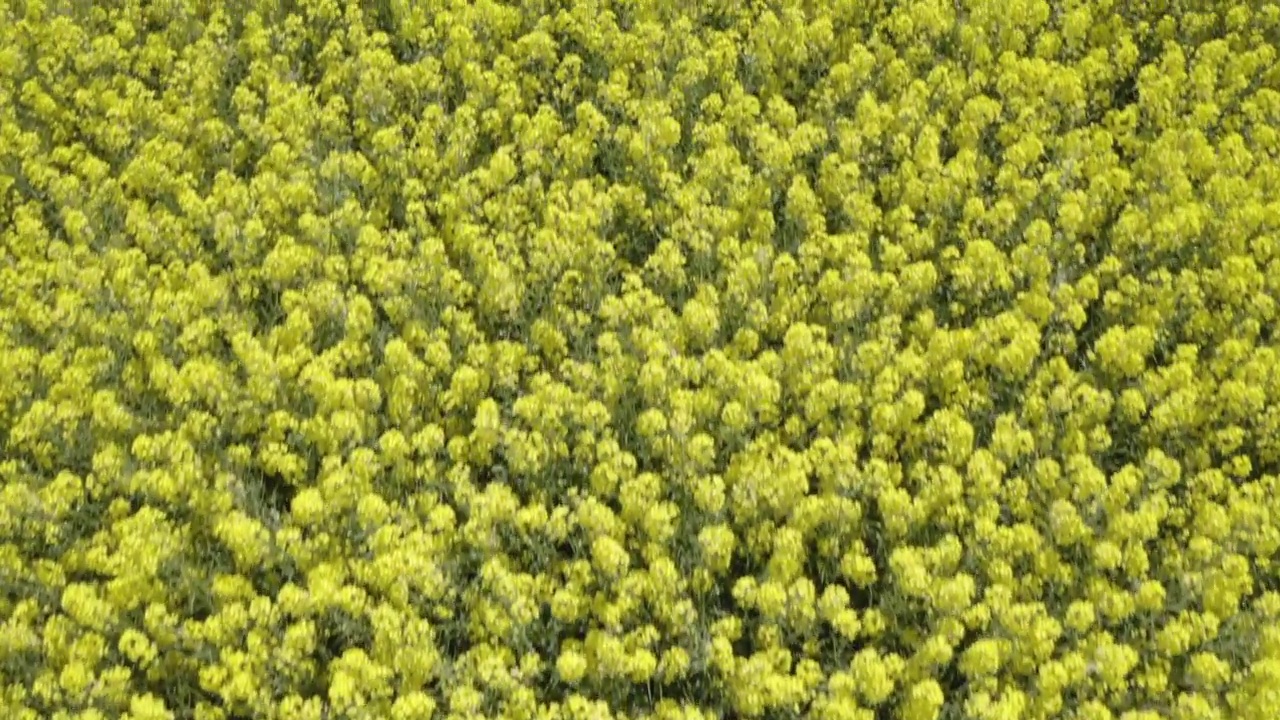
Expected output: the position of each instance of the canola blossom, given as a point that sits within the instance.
(639, 360)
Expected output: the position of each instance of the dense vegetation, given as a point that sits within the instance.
(639, 359)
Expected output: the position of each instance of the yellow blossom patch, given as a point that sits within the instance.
(628, 359)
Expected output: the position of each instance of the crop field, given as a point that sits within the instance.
(639, 360)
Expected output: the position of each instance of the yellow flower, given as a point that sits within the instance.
(834, 599)
(924, 701)
(717, 543)
(571, 666)
(609, 556)
(858, 567)
(75, 678)
(1150, 596)
(147, 707)
(675, 663)
(245, 537)
(137, 647)
(1209, 671)
(1113, 663)
(642, 665)
(771, 600)
(872, 676)
(416, 705)
(82, 604)
(1080, 616)
(981, 659)
(910, 572)
(955, 595)
(847, 624)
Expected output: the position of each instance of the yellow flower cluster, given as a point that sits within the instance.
(627, 359)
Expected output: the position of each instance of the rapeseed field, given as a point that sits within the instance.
(636, 359)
